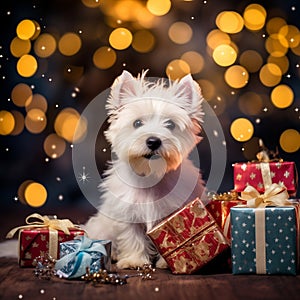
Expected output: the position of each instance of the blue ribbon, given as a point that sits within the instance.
(82, 256)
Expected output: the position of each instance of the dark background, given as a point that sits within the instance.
(22, 157)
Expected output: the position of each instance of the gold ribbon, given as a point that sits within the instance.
(52, 224)
(266, 174)
(274, 195)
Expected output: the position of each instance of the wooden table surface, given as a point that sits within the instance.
(20, 283)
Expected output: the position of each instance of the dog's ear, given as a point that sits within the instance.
(190, 91)
(123, 86)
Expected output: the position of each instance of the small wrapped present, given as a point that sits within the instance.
(189, 238)
(264, 233)
(82, 253)
(219, 207)
(262, 174)
(42, 236)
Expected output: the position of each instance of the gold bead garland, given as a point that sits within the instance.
(45, 269)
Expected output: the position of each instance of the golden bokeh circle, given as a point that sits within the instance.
(69, 44)
(120, 38)
(251, 60)
(54, 146)
(224, 55)
(21, 94)
(270, 74)
(27, 65)
(35, 194)
(143, 41)
(45, 45)
(282, 96)
(7, 122)
(180, 33)
(241, 129)
(35, 121)
(290, 140)
(195, 60)
(236, 76)
(104, 57)
(177, 69)
(158, 7)
(25, 29)
(230, 22)
(19, 47)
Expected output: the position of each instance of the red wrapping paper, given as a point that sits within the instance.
(35, 242)
(189, 238)
(255, 174)
(220, 210)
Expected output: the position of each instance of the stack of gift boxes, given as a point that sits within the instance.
(258, 220)
(255, 220)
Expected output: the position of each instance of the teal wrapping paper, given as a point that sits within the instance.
(264, 240)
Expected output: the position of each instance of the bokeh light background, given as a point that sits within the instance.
(56, 56)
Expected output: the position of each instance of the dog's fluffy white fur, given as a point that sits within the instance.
(153, 128)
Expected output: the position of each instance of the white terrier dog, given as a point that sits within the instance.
(153, 128)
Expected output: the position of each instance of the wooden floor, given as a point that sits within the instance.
(20, 283)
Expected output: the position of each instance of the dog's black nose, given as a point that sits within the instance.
(153, 143)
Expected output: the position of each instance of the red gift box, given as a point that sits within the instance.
(261, 175)
(35, 242)
(189, 238)
(42, 235)
(219, 208)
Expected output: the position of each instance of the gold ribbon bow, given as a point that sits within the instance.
(44, 221)
(274, 195)
(52, 224)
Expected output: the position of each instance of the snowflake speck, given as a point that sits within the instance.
(84, 177)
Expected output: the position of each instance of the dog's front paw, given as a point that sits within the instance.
(161, 263)
(132, 262)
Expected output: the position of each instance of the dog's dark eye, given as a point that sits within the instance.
(138, 123)
(169, 124)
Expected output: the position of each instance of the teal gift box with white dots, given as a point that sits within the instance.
(264, 240)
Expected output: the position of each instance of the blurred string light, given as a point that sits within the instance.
(159, 7)
(27, 65)
(224, 55)
(21, 95)
(241, 129)
(251, 60)
(180, 33)
(45, 45)
(120, 38)
(195, 61)
(70, 126)
(236, 76)
(35, 120)
(177, 68)
(7, 122)
(143, 41)
(290, 140)
(104, 57)
(32, 193)
(54, 146)
(26, 29)
(230, 21)
(282, 96)
(254, 17)
(69, 44)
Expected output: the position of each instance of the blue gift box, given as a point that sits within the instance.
(80, 253)
(264, 240)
